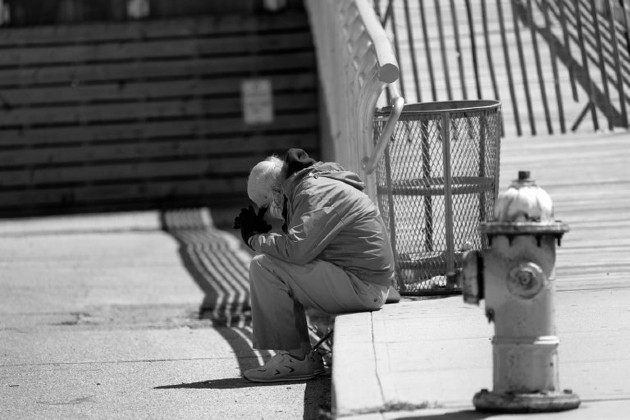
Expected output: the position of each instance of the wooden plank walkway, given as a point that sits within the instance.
(588, 178)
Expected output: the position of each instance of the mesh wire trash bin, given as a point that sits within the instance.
(437, 180)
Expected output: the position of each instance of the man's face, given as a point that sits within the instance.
(264, 189)
(273, 200)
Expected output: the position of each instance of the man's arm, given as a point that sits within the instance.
(308, 234)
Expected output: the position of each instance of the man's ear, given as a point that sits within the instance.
(278, 196)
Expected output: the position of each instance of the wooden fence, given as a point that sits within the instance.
(147, 114)
(554, 64)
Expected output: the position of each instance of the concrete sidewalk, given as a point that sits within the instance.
(427, 358)
(422, 358)
(101, 318)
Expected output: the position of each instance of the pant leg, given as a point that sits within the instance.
(281, 290)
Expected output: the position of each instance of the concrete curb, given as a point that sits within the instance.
(355, 384)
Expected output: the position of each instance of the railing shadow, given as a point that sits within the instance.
(219, 265)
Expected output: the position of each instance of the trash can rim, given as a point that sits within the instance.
(442, 106)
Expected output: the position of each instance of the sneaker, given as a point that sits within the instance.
(283, 367)
(393, 296)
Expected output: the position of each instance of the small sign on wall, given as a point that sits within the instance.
(257, 100)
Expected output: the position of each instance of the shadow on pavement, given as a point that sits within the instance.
(220, 267)
(457, 415)
(316, 394)
(227, 383)
(216, 262)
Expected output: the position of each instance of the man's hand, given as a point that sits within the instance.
(261, 224)
(245, 217)
(251, 223)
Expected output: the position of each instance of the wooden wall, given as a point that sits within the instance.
(55, 12)
(147, 114)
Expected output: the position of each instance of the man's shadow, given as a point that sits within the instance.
(219, 265)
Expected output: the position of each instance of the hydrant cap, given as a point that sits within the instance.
(524, 201)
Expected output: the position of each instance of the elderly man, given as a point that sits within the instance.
(332, 254)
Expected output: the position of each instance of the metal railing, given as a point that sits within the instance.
(356, 63)
(554, 65)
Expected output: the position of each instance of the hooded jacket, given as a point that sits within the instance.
(329, 218)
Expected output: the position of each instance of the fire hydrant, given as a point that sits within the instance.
(516, 277)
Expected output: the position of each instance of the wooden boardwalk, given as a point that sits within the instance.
(588, 178)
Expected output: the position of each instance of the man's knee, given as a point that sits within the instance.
(262, 268)
(257, 265)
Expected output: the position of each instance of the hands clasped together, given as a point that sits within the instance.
(251, 223)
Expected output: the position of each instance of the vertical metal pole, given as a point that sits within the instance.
(602, 63)
(458, 49)
(589, 81)
(508, 68)
(497, 157)
(392, 218)
(448, 198)
(541, 80)
(625, 7)
(427, 49)
(473, 47)
(483, 136)
(521, 57)
(613, 33)
(412, 51)
(447, 76)
(486, 37)
(388, 11)
(567, 47)
(397, 47)
(554, 67)
(426, 178)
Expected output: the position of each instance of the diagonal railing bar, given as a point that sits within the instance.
(613, 56)
(581, 71)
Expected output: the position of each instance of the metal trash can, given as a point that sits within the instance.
(437, 180)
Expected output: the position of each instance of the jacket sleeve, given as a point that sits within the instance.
(311, 229)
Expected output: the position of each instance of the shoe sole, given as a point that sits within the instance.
(286, 379)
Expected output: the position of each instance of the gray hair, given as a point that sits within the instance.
(264, 177)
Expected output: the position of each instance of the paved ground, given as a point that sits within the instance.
(426, 359)
(99, 318)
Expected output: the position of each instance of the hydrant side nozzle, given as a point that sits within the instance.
(471, 277)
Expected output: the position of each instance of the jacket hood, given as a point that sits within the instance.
(296, 160)
(299, 163)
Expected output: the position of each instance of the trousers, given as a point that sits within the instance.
(279, 292)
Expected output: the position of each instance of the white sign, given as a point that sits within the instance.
(257, 98)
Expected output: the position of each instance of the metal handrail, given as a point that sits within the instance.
(397, 105)
(350, 40)
(388, 70)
